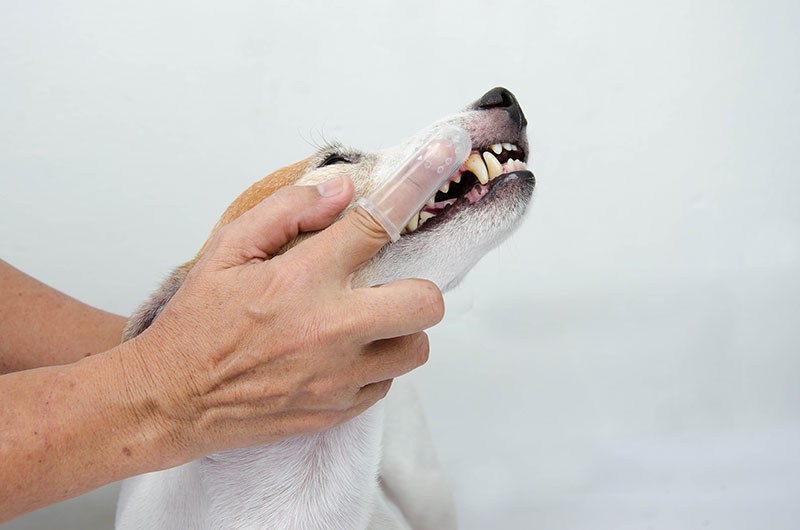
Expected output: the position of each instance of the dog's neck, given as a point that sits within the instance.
(325, 480)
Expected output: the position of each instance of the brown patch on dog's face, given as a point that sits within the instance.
(286, 176)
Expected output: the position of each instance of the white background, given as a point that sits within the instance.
(629, 359)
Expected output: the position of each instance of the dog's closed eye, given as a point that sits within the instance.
(335, 158)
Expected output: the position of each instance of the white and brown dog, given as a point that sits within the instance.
(378, 470)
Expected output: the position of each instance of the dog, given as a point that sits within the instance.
(378, 470)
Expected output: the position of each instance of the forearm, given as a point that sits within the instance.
(66, 430)
(40, 326)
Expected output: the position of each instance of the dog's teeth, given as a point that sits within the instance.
(445, 187)
(413, 223)
(457, 179)
(478, 167)
(431, 202)
(493, 165)
(424, 216)
(515, 165)
(508, 147)
(497, 148)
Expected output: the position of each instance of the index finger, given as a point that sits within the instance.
(380, 216)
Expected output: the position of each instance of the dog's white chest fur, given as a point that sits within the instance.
(326, 480)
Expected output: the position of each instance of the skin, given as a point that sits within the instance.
(40, 326)
(253, 348)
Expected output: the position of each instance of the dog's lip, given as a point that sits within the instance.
(481, 140)
(462, 202)
(484, 160)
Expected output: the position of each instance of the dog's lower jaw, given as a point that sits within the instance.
(326, 480)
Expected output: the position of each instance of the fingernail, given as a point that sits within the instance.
(330, 188)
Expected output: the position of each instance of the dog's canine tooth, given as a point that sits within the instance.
(478, 167)
(424, 216)
(445, 187)
(493, 165)
(413, 223)
(497, 148)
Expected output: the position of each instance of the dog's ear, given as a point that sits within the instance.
(146, 313)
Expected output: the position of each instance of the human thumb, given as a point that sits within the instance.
(261, 231)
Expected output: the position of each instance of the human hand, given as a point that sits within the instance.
(257, 347)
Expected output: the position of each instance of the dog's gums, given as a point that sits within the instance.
(471, 181)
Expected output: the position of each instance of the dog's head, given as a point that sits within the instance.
(479, 207)
(481, 204)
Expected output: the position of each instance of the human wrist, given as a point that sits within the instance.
(69, 429)
(140, 403)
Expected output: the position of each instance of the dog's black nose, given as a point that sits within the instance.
(502, 98)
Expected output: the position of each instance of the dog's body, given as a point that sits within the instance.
(379, 470)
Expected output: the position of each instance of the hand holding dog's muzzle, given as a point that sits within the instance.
(257, 345)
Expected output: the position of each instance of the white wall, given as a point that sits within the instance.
(628, 360)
